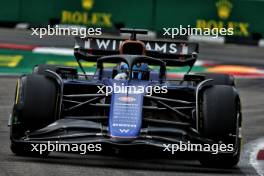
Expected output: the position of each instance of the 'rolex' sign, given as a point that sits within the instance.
(223, 9)
(86, 16)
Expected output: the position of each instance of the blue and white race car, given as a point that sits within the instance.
(129, 103)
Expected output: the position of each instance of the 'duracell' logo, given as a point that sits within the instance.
(224, 8)
(87, 4)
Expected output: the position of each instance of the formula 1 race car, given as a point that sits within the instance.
(129, 102)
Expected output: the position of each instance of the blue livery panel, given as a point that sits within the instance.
(125, 118)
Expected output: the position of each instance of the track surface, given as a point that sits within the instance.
(69, 164)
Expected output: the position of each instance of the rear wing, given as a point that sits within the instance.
(174, 53)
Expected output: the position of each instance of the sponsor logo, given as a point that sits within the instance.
(223, 10)
(86, 17)
(127, 99)
(112, 44)
(87, 4)
(124, 130)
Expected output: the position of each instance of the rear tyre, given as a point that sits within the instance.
(221, 121)
(40, 69)
(63, 71)
(219, 79)
(35, 107)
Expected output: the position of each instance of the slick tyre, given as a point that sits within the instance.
(221, 120)
(40, 69)
(34, 108)
(219, 79)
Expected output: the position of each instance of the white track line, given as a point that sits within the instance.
(51, 50)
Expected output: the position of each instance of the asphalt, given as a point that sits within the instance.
(251, 91)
